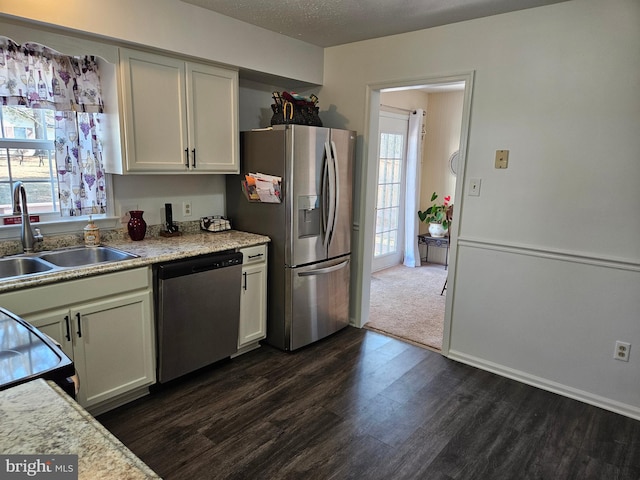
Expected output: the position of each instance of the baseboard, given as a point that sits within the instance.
(118, 401)
(545, 384)
(246, 348)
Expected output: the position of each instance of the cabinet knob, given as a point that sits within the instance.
(186, 155)
(194, 157)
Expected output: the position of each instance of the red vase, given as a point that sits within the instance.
(137, 226)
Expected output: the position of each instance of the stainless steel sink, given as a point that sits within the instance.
(57, 260)
(19, 266)
(81, 256)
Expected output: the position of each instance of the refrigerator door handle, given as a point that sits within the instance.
(325, 192)
(331, 215)
(336, 186)
(322, 271)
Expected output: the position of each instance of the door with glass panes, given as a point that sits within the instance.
(389, 231)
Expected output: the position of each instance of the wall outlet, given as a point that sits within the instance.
(186, 208)
(622, 351)
(474, 187)
(502, 158)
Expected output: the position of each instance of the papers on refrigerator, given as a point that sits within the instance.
(259, 187)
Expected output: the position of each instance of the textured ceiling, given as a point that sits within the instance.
(334, 22)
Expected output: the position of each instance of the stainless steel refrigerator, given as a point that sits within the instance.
(309, 254)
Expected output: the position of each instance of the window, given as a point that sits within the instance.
(389, 194)
(50, 131)
(27, 154)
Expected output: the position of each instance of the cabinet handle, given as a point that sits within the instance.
(194, 157)
(244, 274)
(67, 323)
(79, 324)
(186, 154)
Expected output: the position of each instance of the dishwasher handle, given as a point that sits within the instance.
(199, 264)
(206, 267)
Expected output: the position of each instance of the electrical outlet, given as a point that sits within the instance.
(622, 351)
(186, 208)
(502, 158)
(474, 187)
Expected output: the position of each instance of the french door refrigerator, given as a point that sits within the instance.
(308, 279)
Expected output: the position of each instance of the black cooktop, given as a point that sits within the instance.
(27, 354)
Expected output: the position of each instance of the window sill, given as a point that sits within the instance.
(60, 227)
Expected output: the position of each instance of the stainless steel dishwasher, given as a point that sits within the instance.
(198, 311)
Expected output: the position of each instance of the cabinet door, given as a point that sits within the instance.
(213, 118)
(154, 110)
(114, 347)
(253, 305)
(57, 324)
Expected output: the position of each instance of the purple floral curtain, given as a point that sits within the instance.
(79, 164)
(37, 77)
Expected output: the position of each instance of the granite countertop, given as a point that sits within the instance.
(40, 419)
(153, 249)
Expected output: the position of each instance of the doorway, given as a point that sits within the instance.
(370, 189)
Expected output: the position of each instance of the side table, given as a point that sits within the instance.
(442, 242)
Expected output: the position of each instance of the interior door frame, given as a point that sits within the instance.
(367, 192)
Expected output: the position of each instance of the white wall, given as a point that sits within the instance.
(443, 124)
(255, 101)
(405, 99)
(150, 192)
(548, 270)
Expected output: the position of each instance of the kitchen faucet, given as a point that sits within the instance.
(27, 236)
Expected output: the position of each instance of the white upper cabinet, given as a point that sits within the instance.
(179, 117)
(212, 106)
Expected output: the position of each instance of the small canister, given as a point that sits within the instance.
(91, 234)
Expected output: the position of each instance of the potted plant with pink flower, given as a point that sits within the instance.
(438, 216)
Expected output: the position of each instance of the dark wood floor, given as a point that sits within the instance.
(364, 406)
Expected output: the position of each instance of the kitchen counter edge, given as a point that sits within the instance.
(40, 419)
(150, 251)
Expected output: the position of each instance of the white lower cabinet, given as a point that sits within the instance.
(104, 323)
(55, 323)
(253, 298)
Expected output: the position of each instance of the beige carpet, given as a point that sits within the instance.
(406, 304)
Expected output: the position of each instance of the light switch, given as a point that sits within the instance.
(502, 158)
(474, 187)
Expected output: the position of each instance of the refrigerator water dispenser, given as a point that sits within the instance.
(309, 216)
